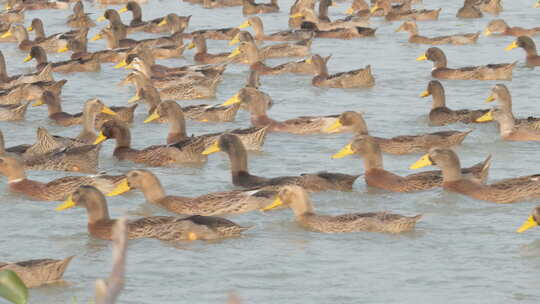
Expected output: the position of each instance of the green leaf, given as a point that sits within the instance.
(12, 287)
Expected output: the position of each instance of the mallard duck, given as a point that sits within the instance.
(502, 71)
(469, 10)
(441, 115)
(151, 26)
(249, 92)
(349, 21)
(505, 191)
(298, 200)
(55, 190)
(165, 228)
(252, 138)
(217, 203)
(249, 7)
(116, 22)
(29, 91)
(175, 23)
(7, 81)
(19, 32)
(493, 7)
(68, 66)
(403, 144)
(359, 8)
(236, 151)
(499, 26)
(256, 23)
(79, 19)
(111, 35)
(13, 112)
(35, 273)
(376, 176)
(36, 5)
(526, 43)
(220, 3)
(297, 49)
(360, 78)
(298, 5)
(501, 93)
(349, 27)
(508, 128)
(414, 36)
(391, 15)
(60, 39)
(202, 55)
(215, 34)
(533, 219)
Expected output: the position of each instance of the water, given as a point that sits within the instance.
(463, 251)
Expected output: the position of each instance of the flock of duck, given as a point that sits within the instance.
(159, 87)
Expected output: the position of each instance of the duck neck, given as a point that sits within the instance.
(41, 58)
(372, 157)
(506, 123)
(2, 144)
(136, 13)
(123, 137)
(201, 46)
(89, 119)
(323, 9)
(177, 124)
(438, 96)
(320, 65)
(16, 173)
(440, 62)
(40, 32)
(112, 41)
(359, 126)
(3, 71)
(451, 170)
(258, 28)
(531, 51)
(54, 106)
(152, 190)
(97, 210)
(302, 205)
(238, 159)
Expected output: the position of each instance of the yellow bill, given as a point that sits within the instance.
(101, 19)
(297, 15)
(424, 161)
(38, 103)
(235, 40)
(374, 9)
(28, 58)
(121, 187)
(69, 203)
(489, 99)
(347, 150)
(107, 110)
(309, 60)
(425, 94)
(63, 50)
(29, 29)
(213, 148)
(163, 22)
(349, 11)
(421, 58)
(192, 236)
(246, 24)
(336, 125)
(6, 34)
(511, 46)
(123, 10)
(277, 202)
(134, 98)
(152, 117)
(235, 53)
(529, 223)
(121, 64)
(486, 117)
(100, 138)
(190, 46)
(487, 32)
(232, 100)
(96, 37)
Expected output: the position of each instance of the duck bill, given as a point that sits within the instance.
(38, 103)
(487, 32)
(63, 50)
(234, 53)
(335, 126)
(297, 15)
(192, 236)
(347, 150)
(163, 22)
(28, 58)
(107, 110)
(121, 187)
(235, 40)
(233, 100)
(277, 202)
(529, 223)
(374, 9)
(244, 25)
(152, 117)
(6, 34)
(424, 161)
(100, 138)
(489, 99)
(511, 46)
(424, 94)
(101, 19)
(349, 11)
(121, 64)
(421, 58)
(212, 149)
(486, 117)
(69, 203)
(96, 37)
(29, 29)
(309, 60)
(123, 10)
(191, 46)
(134, 99)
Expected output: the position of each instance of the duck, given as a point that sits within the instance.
(508, 128)
(241, 177)
(6, 81)
(113, 40)
(527, 44)
(51, 44)
(493, 7)
(347, 28)
(249, 92)
(29, 91)
(294, 21)
(502, 71)
(440, 115)
(297, 49)
(532, 221)
(349, 21)
(256, 23)
(151, 26)
(55, 190)
(500, 27)
(252, 138)
(79, 19)
(249, 7)
(469, 10)
(164, 228)
(38, 272)
(11, 15)
(414, 37)
(211, 204)
(502, 192)
(55, 113)
(215, 34)
(13, 112)
(68, 66)
(391, 15)
(202, 56)
(61, 39)
(116, 22)
(220, 3)
(501, 93)
(298, 200)
(359, 78)
(255, 60)
(36, 5)
(376, 176)
(399, 145)
(359, 8)
(175, 23)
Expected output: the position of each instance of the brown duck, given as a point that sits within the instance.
(414, 37)
(508, 128)
(500, 27)
(68, 66)
(534, 218)
(501, 93)
(527, 44)
(469, 10)
(360, 78)
(249, 7)
(402, 14)
(39, 272)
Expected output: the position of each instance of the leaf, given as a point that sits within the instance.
(12, 287)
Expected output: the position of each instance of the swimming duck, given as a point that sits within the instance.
(376, 176)
(79, 19)
(175, 23)
(151, 26)
(298, 200)
(469, 10)
(55, 190)
(68, 66)
(215, 34)
(7, 81)
(13, 112)
(441, 115)
(11, 15)
(165, 228)
(37, 27)
(19, 32)
(220, 3)
(526, 43)
(241, 177)
(501, 93)
(339, 33)
(440, 70)
(113, 40)
(294, 21)
(403, 144)
(349, 21)
(256, 23)
(217, 203)
(202, 56)
(415, 37)
(255, 60)
(116, 22)
(493, 7)
(508, 128)
(36, 5)
(502, 192)
(349, 24)
(297, 49)
(391, 15)
(249, 7)
(249, 92)
(360, 78)
(533, 219)
(29, 91)
(35, 273)
(499, 26)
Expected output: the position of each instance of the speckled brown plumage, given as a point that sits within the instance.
(35, 273)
